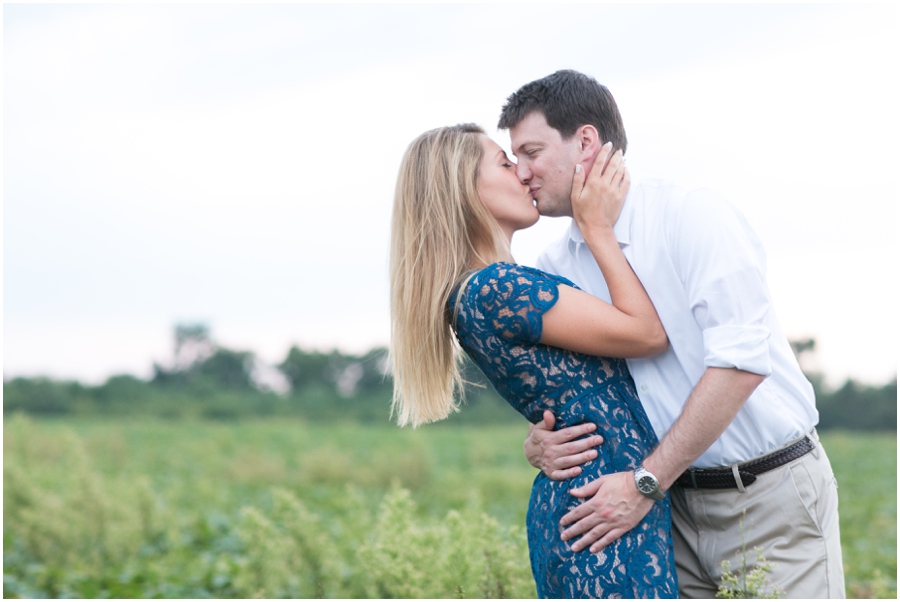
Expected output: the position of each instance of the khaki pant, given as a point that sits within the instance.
(790, 512)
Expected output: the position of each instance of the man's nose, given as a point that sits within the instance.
(523, 172)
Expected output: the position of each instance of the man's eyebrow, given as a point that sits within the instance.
(527, 143)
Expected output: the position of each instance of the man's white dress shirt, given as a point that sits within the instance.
(704, 269)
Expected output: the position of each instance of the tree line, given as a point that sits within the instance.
(204, 380)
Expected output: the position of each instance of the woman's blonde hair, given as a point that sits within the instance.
(439, 230)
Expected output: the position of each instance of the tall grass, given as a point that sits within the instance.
(289, 509)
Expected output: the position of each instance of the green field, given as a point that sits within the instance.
(292, 509)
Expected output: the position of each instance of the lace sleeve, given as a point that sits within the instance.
(513, 299)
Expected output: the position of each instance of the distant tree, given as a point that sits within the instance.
(199, 362)
(859, 407)
(122, 388)
(804, 351)
(227, 368)
(304, 369)
(268, 378)
(799, 346)
(346, 375)
(375, 369)
(193, 345)
(42, 395)
(853, 406)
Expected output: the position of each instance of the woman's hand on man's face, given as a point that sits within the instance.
(597, 199)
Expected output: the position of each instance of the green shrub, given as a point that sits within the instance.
(289, 508)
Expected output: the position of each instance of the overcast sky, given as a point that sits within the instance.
(235, 164)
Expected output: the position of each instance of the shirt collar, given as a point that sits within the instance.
(622, 228)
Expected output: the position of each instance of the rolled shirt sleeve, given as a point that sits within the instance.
(741, 347)
(722, 264)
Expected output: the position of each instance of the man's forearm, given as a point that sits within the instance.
(713, 404)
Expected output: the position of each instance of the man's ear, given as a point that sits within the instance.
(589, 141)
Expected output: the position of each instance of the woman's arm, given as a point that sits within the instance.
(629, 327)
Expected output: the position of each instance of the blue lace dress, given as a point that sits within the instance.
(498, 323)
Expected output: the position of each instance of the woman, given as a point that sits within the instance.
(543, 343)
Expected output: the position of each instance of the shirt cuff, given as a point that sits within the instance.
(742, 347)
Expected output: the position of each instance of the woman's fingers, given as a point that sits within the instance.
(600, 161)
(597, 199)
(577, 183)
(625, 182)
(603, 157)
(613, 170)
(607, 169)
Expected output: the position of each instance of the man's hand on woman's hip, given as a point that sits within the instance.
(614, 508)
(556, 453)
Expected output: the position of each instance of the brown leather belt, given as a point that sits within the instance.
(723, 478)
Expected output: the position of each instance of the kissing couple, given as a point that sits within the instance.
(670, 420)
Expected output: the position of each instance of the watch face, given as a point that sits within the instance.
(646, 485)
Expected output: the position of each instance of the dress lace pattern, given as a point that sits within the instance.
(498, 321)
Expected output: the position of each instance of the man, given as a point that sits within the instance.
(738, 452)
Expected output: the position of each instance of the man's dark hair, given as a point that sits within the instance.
(568, 99)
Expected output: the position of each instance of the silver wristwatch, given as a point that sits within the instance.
(648, 484)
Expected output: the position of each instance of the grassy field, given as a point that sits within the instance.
(290, 509)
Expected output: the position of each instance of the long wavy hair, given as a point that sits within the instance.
(440, 229)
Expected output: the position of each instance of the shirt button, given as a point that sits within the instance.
(644, 388)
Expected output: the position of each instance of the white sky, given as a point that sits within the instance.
(235, 164)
